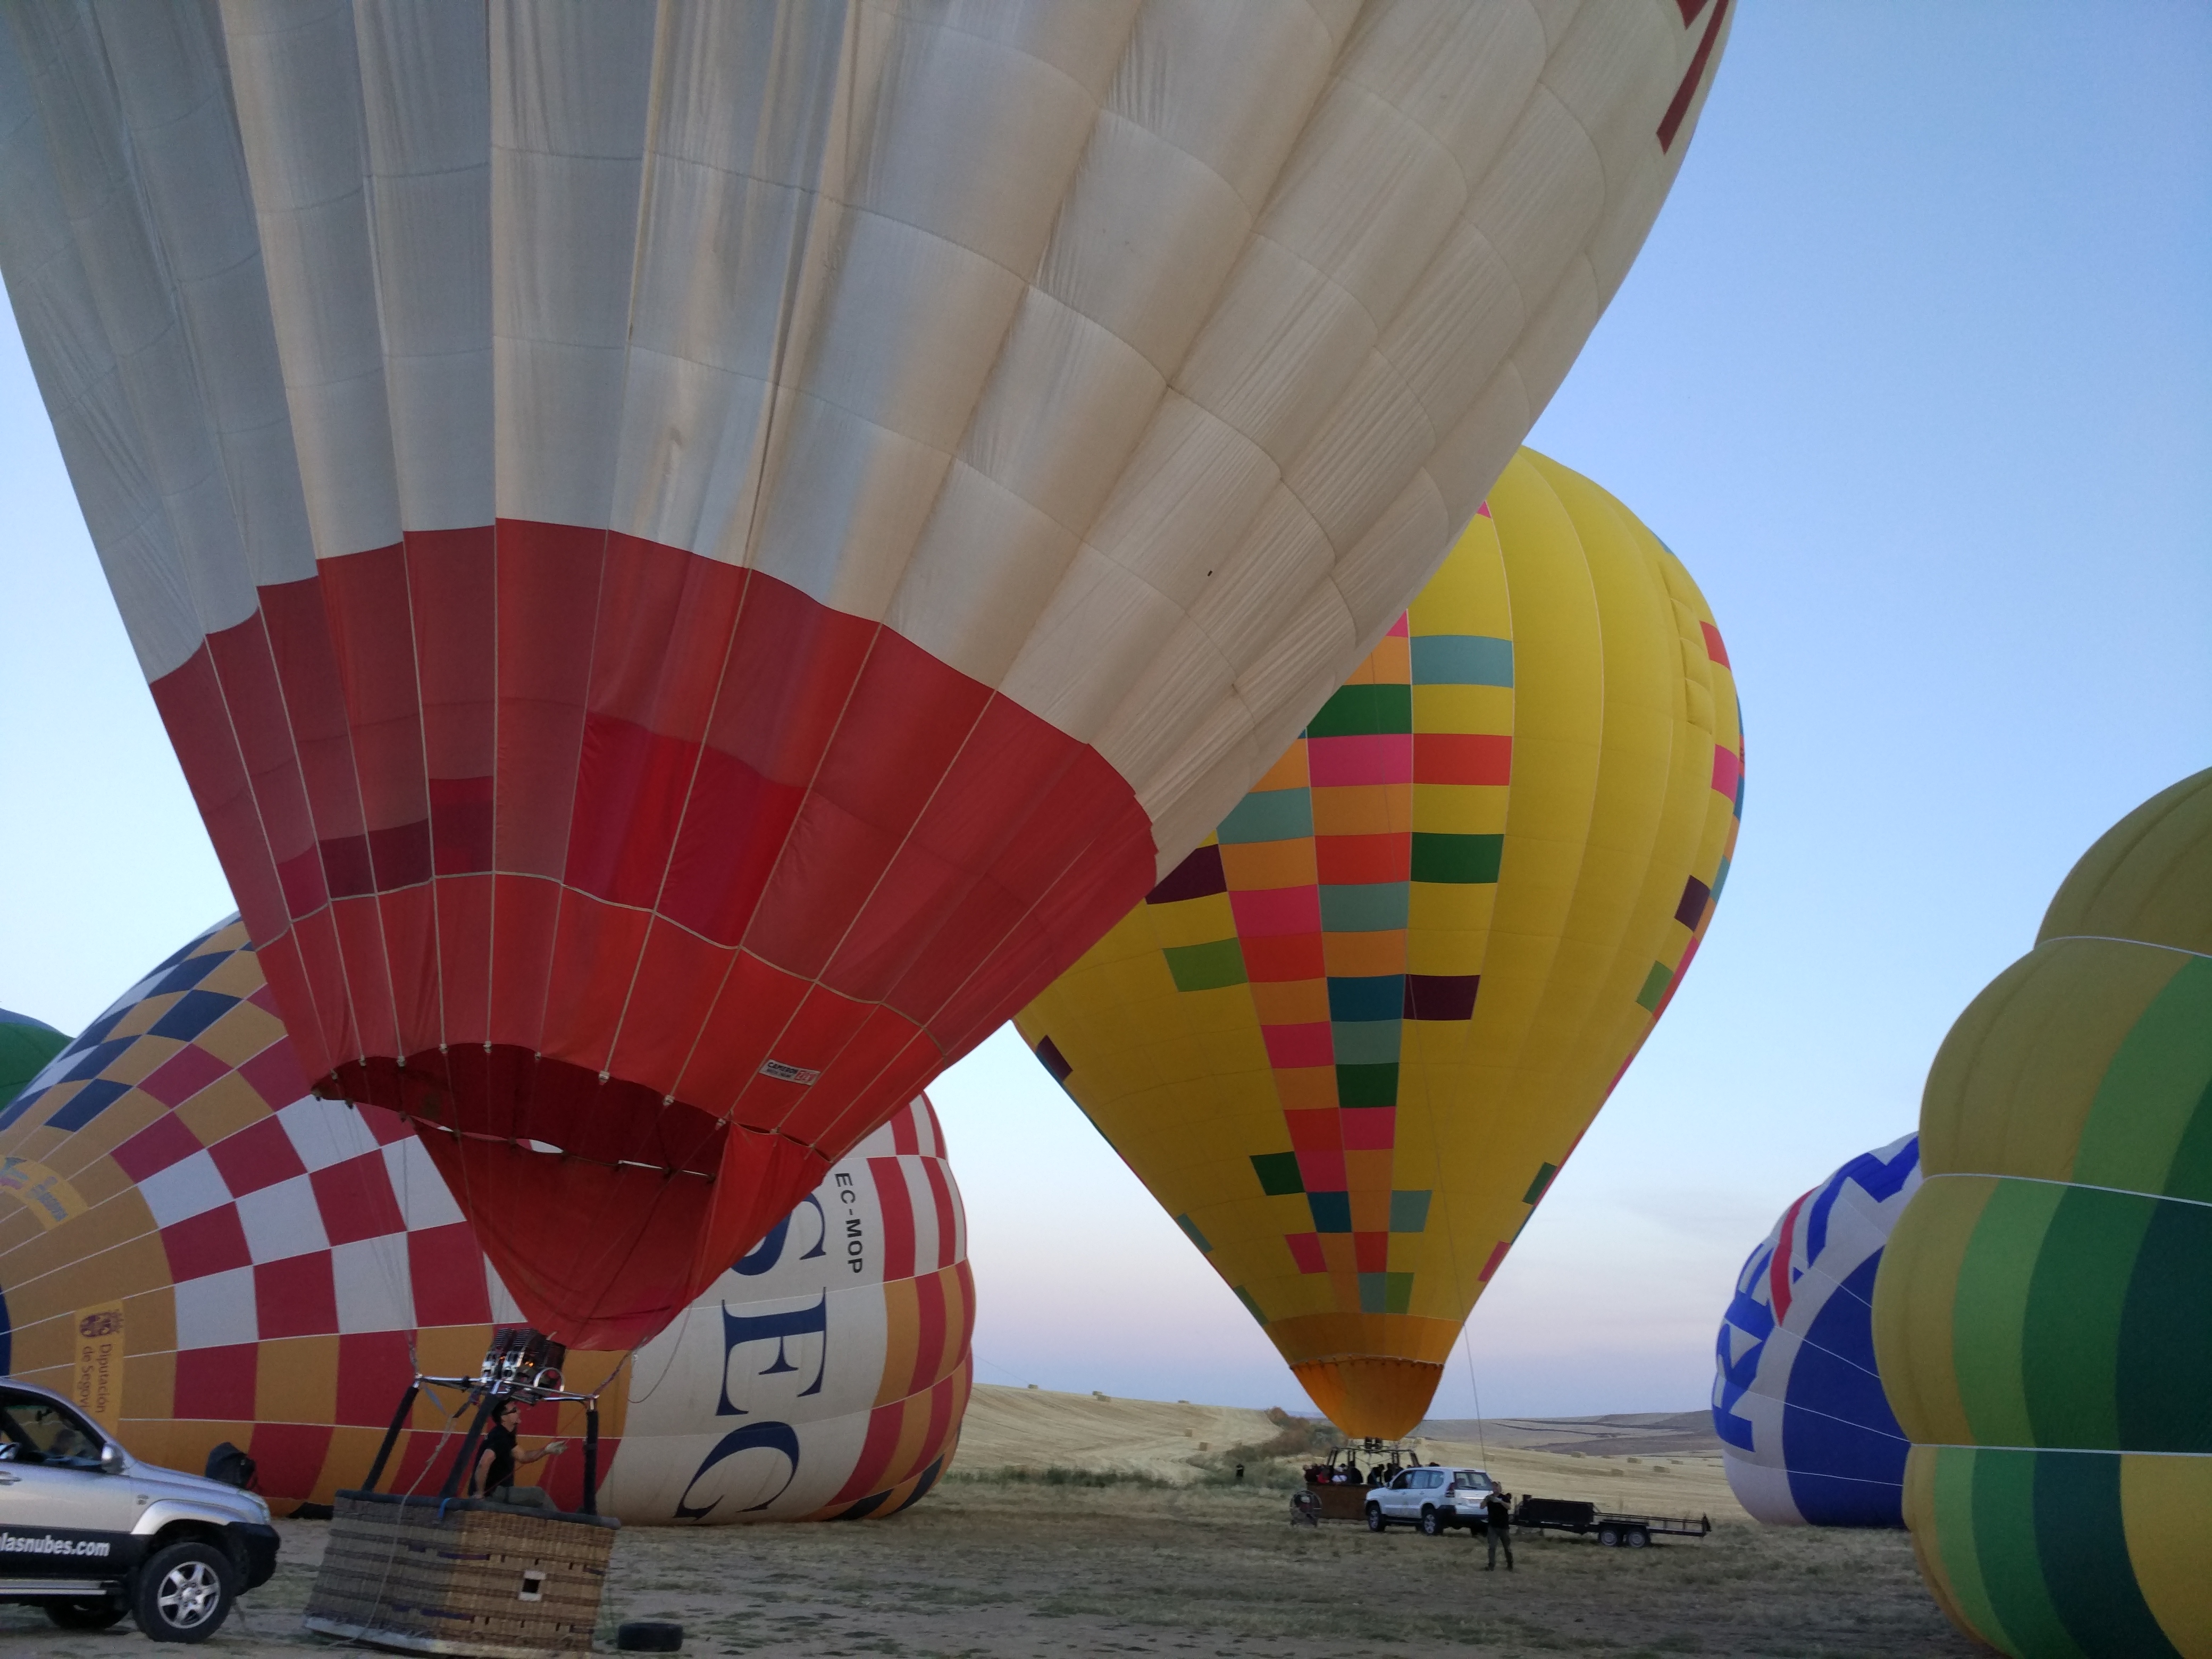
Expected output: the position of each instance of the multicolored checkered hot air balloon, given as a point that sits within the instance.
(1349, 1041)
(2042, 1317)
(695, 555)
(199, 1251)
(1806, 1437)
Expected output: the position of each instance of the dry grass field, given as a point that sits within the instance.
(1083, 1527)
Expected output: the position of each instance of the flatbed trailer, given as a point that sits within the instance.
(1624, 1531)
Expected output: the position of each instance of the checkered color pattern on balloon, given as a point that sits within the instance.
(268, 1267)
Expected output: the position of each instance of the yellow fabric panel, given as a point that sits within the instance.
(1915, 1290)
(2165, 1503)
(1561, 646)
(2018, 1072)
(2148, 878)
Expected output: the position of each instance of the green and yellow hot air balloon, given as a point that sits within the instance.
(1350, 1041)
(2043, 1319)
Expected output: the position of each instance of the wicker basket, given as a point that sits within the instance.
(461, 1577)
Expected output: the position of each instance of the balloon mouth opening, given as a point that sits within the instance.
(1371, 1397)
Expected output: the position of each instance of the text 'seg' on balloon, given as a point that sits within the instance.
(1349, 1041)
(695, 556)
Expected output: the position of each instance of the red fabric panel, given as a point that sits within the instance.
(259, 1155)
(897, 1204)
(372, 635)
(357, 1201)
(369, 979)
(967, 1278)
(274, 1075)
(296, 1297)
(183, 1074)
(548, 582)
(501, 804)
(216, 1383)
(463, 942)
(525, 912)
(374, 1369)
(1353, 860)
(445, 1273)
(1461, 757)
(305, 723)
(190, 701)
(941, 1198)
(210, 1243)
(596, 949)
(164, 1141)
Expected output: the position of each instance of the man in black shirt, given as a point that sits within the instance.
(495, 1462)
(1498, 1525)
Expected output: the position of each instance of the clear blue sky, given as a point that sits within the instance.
(1915, 374)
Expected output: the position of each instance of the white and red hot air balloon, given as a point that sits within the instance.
(695, 556)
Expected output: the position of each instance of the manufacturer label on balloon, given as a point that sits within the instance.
(783, 1073)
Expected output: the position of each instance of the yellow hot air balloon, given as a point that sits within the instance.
(1350, 1041)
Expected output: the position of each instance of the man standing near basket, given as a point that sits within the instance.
(494, 1474)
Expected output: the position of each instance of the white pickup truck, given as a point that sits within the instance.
(93, 1535)
(1434, 1499)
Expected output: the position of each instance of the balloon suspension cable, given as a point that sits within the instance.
(1466, 1347)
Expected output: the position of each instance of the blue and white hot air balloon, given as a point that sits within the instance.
(1808, 1437)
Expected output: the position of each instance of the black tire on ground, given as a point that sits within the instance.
(93, 1613)
(1375, 1521)
(1434, 1525)
(649, 1636)
(1608, 1537)
(184, 1593)
(1636, 1538)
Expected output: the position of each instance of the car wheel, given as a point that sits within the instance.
(1375, 1521)
(93, 1613)
(1432, 1524)
(183, 1594)
(1608, 1537)
(1636, 1538)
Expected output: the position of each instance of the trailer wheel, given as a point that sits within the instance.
(1608, 1536)
(1636, 1538)
(1375, 1521)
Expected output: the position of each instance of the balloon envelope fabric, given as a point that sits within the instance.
(26, 1045)
(2043, 1316)
(694, 556)
(1805, 1433)
(1348, 1042)
(199, 1251)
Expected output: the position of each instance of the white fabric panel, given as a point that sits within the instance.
(283, 1220)
(1136, 357)
(191, 1186)
(374, 1291)
(217, 1310)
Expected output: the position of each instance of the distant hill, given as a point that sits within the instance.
(1625, 1434)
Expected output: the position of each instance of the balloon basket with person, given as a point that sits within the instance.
(483, 1566)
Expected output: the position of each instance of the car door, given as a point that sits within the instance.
(1398, 1500)
(61, 1515)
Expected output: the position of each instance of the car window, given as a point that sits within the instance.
(1401, 1483)
(40, 1432)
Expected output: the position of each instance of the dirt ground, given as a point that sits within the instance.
(1006, 1567)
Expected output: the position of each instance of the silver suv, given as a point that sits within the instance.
(90, 1533)
(1434, 1499)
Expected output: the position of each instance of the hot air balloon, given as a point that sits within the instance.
(1806, 1436)
(26, 1045)
(2043, 1316)
(695, 556)
(200, 1251)
(1349, 1041)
